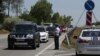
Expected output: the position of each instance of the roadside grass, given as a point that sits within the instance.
(76, 32)
(3, 31)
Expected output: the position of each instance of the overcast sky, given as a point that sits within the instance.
(73, 8)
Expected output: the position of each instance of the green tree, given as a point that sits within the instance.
(96, 23)
(55, 17)
(60, 20)
(2, 7)
(64, 20)
(9, 22)
(67, 20)
(26, 16)
(41, 11)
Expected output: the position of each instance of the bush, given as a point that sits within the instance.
(8, 26)
(10, 22)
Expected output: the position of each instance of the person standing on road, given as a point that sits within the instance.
(56, 38)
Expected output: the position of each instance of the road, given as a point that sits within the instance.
(45, 49)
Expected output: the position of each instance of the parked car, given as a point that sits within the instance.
(24, 35)
(88, 42)
(44, 37)
(51, 31)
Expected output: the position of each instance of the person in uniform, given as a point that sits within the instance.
(56, 38)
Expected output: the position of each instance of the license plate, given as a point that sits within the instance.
(95, 43)
(21, 43)
(20, 40)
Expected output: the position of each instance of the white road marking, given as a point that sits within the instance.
(48, 47)
(44, 49)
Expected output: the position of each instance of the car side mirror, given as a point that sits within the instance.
(75, 37)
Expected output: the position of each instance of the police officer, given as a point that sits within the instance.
(56, 38)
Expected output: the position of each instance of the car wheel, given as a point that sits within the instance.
(47, 41)
(77, 54)
(34, 46)
(10, 46)
(38, 45)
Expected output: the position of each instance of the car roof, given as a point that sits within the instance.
(25, 24)
(91, 30)
(40, 27)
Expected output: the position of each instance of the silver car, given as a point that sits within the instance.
(88, 42)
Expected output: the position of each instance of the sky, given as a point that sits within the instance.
(72, 8)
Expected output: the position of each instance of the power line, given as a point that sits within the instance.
(95, 17)
(79, 18)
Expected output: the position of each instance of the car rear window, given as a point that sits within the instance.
(91, 34)
(50, 28)
(40, 29)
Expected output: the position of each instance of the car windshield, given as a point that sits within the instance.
(24, 28)
(50, 29)
(40, 29)
(91, 34)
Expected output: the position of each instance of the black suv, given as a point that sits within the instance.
(24, 35)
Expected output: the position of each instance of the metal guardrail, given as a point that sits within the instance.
(68, 35)
(71, 32)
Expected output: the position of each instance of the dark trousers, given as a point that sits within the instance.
(56, 42)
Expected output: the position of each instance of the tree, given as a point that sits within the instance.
(41, 11)
(9, 22)
(26, 16)
(2, 7)
(96, 23)
(67, 20)
(14, 5)
(60, 20)
(64, 20)
(55, 17)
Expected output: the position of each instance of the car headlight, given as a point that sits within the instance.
(12, 36)
(29, 36)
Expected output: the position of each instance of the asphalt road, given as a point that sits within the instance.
(45, 49)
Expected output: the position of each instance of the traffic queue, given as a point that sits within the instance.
(31, 35)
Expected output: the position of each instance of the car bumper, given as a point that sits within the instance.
(21, 42)
(88, 50)
(51, 34)
(43, 40)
